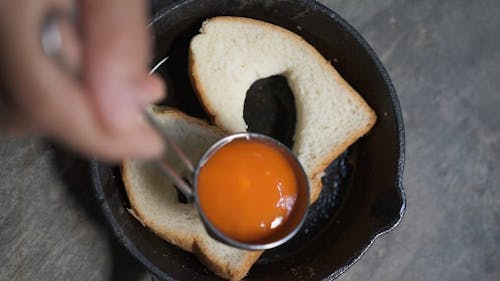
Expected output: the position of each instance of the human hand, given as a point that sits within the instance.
(99, 116)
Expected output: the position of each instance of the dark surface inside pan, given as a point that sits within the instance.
(362, 195)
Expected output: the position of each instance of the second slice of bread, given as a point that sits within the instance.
(155, 203)
(231, 53)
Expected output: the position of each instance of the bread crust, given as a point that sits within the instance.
(221, 268)
(198, 89)
(314, 176)
(195, 243)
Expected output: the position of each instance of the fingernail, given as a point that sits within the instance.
(153, 90)
(121, 109)
(152, 145)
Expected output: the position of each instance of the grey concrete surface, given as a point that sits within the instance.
(444, 60)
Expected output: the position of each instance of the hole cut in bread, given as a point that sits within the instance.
(270, 109)
(231, 53)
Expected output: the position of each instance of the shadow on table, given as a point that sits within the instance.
(75, 174)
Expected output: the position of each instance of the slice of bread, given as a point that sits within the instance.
(155, 203)
(231, 53)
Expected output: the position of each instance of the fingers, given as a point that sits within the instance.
(13, 123)
(153, 90)
(71, 118)
(102, 118)
(116, 59)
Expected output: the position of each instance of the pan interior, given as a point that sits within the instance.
(362, 194)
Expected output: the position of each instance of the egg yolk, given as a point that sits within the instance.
(247, 189)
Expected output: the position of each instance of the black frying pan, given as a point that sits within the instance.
(362, 196)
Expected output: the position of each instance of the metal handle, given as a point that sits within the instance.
(183, 186)
(157, 5)
(52, 45)
(52, 39)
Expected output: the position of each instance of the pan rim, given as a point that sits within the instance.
(320, 8)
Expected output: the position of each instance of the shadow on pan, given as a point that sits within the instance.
(362, 196)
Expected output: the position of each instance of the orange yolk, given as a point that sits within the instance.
(247, 189)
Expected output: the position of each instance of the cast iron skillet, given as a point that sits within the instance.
(362, 196)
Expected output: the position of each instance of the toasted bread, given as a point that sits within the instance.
(154, 199)
(231, 53)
